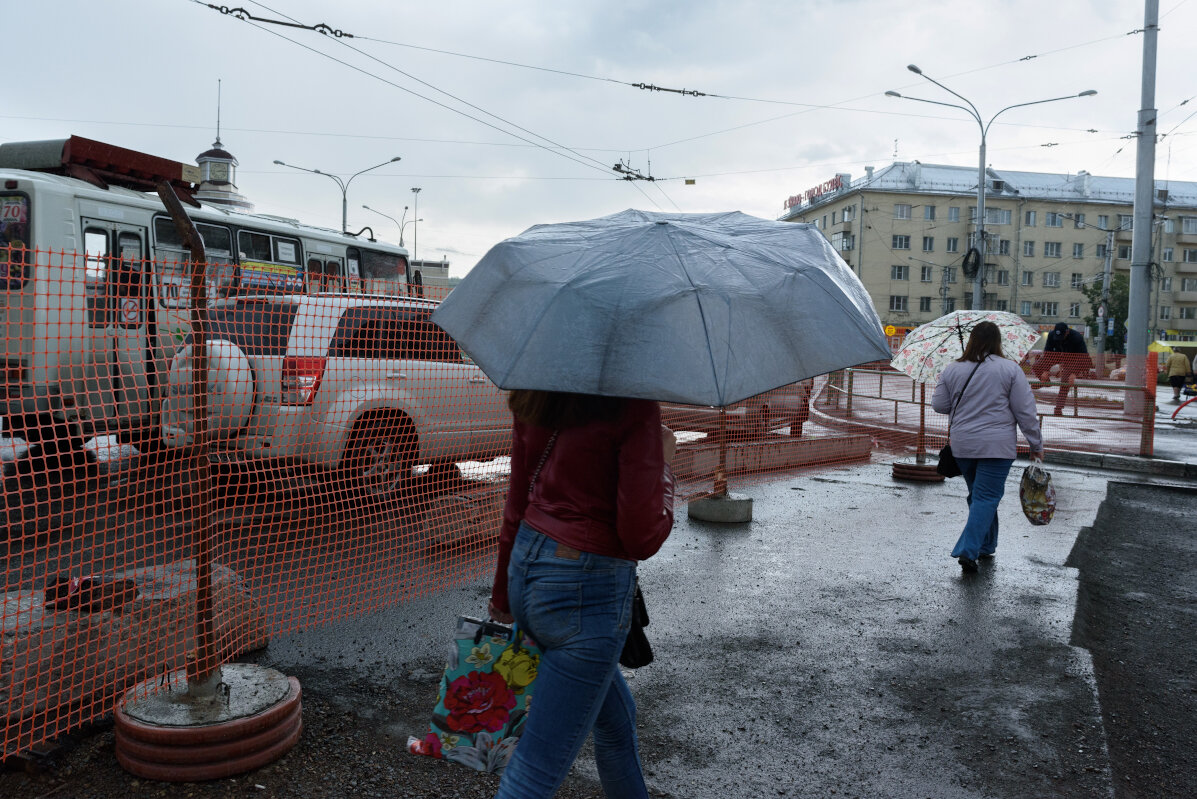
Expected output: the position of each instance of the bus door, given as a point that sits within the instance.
(115, 390)
(326, 273)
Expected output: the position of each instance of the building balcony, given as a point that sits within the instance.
(1124, 235)
(1186, 238)
(1184, 296)
(1186, 267)
(1179, 324)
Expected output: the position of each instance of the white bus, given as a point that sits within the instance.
(95, 299)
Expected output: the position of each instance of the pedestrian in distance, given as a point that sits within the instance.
(1065, 347)
(591, 494)
(1178, 369)
(987, 396)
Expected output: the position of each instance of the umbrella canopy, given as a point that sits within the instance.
(929, 348)
(702, 309)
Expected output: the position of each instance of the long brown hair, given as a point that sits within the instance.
(985, 340)
(557, 409)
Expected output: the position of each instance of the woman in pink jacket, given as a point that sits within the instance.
(987, 396)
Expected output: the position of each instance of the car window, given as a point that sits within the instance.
(258, 328)
(394, 334)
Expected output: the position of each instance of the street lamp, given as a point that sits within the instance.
(344, 184)
(978, 280)
(405, 224)
(415, 233)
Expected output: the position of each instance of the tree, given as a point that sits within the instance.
(1117, 307)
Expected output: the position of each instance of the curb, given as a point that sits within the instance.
(1123, 463)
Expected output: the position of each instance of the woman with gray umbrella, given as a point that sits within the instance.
(591, 494)
(986, 395)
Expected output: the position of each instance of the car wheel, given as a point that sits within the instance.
(380, 456)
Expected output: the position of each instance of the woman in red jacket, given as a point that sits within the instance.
(591, 493)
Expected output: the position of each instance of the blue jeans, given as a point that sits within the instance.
(578, 610)
(986, 480)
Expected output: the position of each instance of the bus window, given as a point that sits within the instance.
(383, 273)
(315, 276)
(95, 244)
(14, 242)
(173, 263)
(353, 260)
(269, 263)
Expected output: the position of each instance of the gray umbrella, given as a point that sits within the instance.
(703, 309)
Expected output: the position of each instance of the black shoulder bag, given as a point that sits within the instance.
(947, 465)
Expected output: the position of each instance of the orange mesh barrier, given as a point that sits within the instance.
(352, 458)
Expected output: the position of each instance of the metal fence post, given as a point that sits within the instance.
(848, 400)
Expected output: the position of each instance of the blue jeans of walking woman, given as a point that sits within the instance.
(986, 480)
(578, 609)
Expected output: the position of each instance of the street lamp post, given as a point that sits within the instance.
(405, 224)
(979, 278)
(343, 184)
(415, 232)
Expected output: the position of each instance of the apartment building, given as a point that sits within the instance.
(905, 230)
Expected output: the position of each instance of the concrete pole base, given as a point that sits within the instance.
(916, 472)
(723, 508)
(163, 732)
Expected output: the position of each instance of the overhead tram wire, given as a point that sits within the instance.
(341, 35)
(581, 160)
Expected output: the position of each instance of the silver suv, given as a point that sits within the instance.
(363, 384)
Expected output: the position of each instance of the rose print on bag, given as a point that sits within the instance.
(479, 701)
(518, 667)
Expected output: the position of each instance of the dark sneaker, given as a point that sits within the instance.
(985, 556)
(968, 565)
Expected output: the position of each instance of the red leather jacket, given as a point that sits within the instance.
(605, 488)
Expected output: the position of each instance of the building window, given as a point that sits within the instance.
(1028, 278)
(1051, 280)
(1003, 277)
(993, 216)
(899, 272)
(824, 225)
(928, 243)
(1025, 308)
(897, 303)
(833, 218)
(990, 272)
(924, 304)
(843, 241)
(1124, 251)
(1188, 224)
(1028, 249)
(1165, 312)
(929, 213)
(950, 274)
(953, 244)
(1078, 251)
(1051, 249)
(1053, 219)
(1051, 309)
(1103, 221)
(926, 274)
(1189, 255)
(1076, 281)
(1000, 305)
(901, 210)
(1078, 220)
(1003, 246)
(1100, 251)
(849, 213)
(1187, 312)
(1074, 309)
(1167, 256)
(901, 242)
(1166, 284)
(1169, 225)
(1126, 222)
(1188, 284)
(949, 304)
(1028, 219)
(953, 213)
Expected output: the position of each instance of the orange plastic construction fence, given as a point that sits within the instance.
(191, 466)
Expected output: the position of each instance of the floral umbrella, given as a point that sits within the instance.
(929, 348)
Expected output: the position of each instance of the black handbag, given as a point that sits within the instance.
(637, 651)
(947, 465)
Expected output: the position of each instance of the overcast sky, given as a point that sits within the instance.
(497, 146)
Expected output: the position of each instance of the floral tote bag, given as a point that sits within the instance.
(484, 696)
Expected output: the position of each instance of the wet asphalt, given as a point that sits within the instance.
(830, 647)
